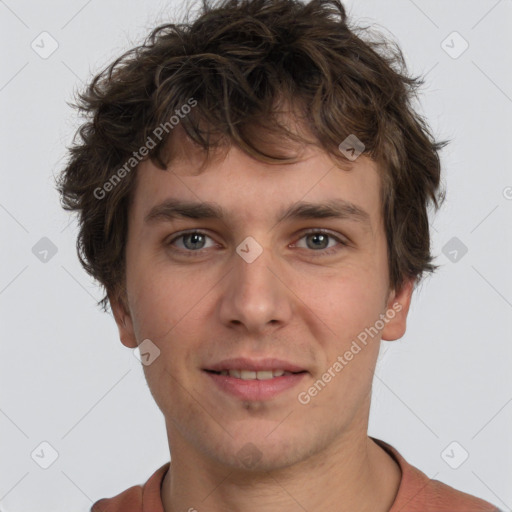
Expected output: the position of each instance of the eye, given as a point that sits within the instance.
(193, 241)
(318, 241)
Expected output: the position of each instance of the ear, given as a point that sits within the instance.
(397, 308)
(118, 304)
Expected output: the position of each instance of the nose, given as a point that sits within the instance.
(255, 295)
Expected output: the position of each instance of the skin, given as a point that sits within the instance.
(292, 302)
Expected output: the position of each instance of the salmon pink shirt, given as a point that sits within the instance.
(416, 493)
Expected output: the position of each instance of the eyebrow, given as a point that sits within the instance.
(171, 209)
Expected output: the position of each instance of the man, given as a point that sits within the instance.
(253, 190)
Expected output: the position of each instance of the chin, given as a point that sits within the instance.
(259, 453)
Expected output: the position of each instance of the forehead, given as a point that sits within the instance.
(234, 185)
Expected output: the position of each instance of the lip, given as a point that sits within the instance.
(255, 390)
(243, 363)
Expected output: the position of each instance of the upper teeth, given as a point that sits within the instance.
(251, 375)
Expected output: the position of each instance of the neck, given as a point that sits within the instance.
(356, 474)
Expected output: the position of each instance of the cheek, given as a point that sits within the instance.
(165, 305)
(346, 301)
(169, 306)
(154, 302)
(167, 311)
(349, 305)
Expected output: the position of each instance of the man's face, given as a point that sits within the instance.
(304, 299)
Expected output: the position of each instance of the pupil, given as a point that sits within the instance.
(194, 237)
(322, 237)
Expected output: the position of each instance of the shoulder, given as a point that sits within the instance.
(441, 497)
(127, 501)
(419, 493)
(138, 498)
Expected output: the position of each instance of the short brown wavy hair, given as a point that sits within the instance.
(238, 60)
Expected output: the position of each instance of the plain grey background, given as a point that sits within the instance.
(443, 390)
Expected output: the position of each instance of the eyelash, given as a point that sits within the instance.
(322, 252)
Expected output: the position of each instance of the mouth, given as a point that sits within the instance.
(254, 375)
(250, 385)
